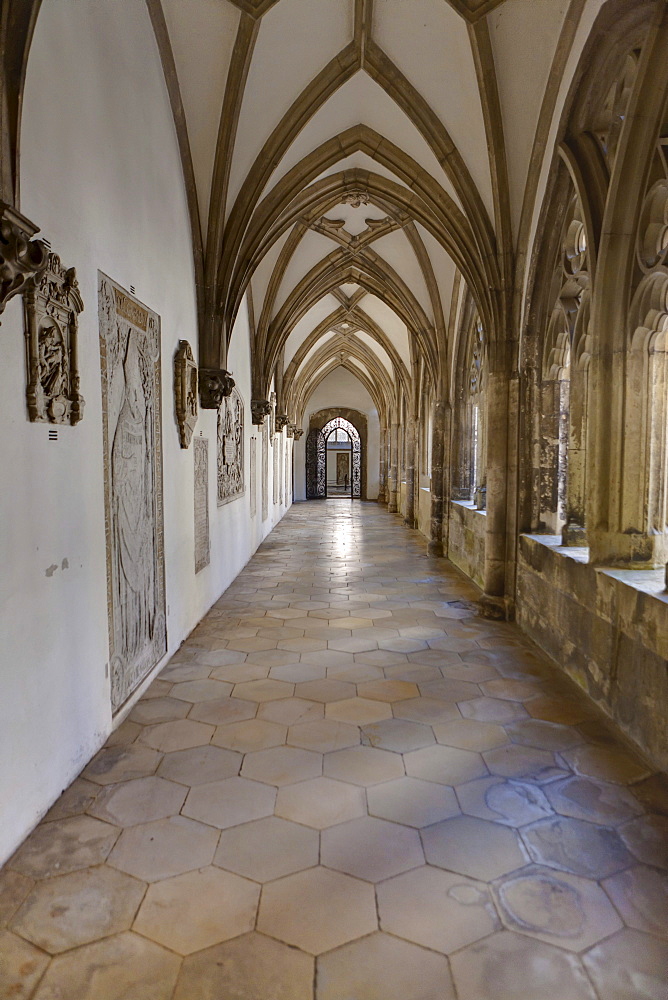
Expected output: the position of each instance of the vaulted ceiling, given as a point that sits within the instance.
(346, 161)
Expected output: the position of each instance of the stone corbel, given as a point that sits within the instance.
(297, 431)
(260, 408)
(21, 257)
(282, 420)
(185, 392)
(214, 385)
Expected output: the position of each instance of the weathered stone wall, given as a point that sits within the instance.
(423, 510)
(466, 544)
(608, 629)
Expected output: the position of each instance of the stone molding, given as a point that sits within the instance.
(52, 303)
(185, 392)
(21, 257)
(214, 385)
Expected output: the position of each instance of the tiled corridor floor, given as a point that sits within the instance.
(345, 786)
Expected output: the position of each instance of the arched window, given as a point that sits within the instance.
(470, 437)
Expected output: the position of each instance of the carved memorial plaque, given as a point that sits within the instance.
(130, 362)
(288, 491)
(202, 543)
(253, 476)
(52, 304)
(185, 392)
(230, 448)
(276, 476)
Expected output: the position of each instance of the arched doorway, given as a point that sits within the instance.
(334, 461)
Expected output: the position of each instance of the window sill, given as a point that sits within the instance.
(469, 505)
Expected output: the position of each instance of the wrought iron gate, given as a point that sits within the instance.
(316, 465)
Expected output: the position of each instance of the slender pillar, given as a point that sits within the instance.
(394, 467)
(498, 402)
(437, 478)
(382, 469)
(409, 517)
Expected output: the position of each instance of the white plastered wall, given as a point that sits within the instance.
(101, 176)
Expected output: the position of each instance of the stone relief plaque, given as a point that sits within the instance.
(276, 476)
(253, 476)
(52, 303)
(288, 491)
(185, 392)
(230, 448)
(202, 543)
(131, 417)
(265, 472)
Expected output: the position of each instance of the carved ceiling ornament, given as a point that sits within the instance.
(260, 408)
(52, 303)
(21, 257)
(215, 384)
(185, 392)
(355, 198)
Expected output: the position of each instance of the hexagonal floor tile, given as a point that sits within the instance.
(363, 765)
(647, 838)
(511, 690)
(64, 846)
(358, 711)
(524, 764)
(21, 965)
(509, 966)
(223, 711)
(426, 710)
(575, 846)
(118, 967)
(14, 889)
(138, 801)
(264, 690)
(166, 847)
(204, 690)
(381, 967)
(230, 802)
(447, 765)
(325, 691)
(512, 803)
(473, 847)
(70, 910)
(437, 909)
(198, 909)
(544, 735)
(371, 849)
(628, 962)
(607, 764)
(492, 710)
(178, 735)
(267, 849)
(641, 896)
(292, 910)
(200, 765)
(594, 801)
(298, 673)
(290, 711)
(121, 764)
(282, 765)
(253, 734)
(466, 734)
(74, 801)
(399, 735)
(560, 909)
(247, 968)
(320, 802)
(323, 735)
(149, 711)
(412, 802)
(388, 690)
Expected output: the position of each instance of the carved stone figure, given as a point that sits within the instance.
(260, 408)
(130, 361)
(185, 392)
(215, 384)
(52, 305)
(201, 491)
(231, 448)
(21, 257)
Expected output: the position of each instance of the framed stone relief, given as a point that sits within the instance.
(253, 476)
(185, 392)
(202, 543)
(52, 303)
(230, 448)
(132, 442)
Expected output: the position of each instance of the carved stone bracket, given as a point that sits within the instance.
(214, 385)
(21, 257)
(260, 408)
(297, 431)
(282, 420)
(185, 392)
(52, 306)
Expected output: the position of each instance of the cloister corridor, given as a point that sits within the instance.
(346, 785)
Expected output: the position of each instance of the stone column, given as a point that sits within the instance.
(382, 468)
(411, 428)
(394, 468)
(498, 402)
(437, 478)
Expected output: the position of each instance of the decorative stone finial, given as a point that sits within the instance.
(214, 385)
